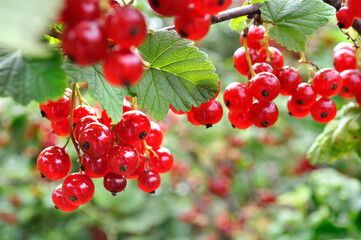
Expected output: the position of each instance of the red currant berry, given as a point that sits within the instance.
(82, 123)
(168, 7)
(127, 106)
(191, 119)
(344, 45)
(114, 183)
(345, 18)
(265, 87)
(78, 189)
(175, 111)
(327, 82)
(56, 110)
(289, 79)
(161, 160)
(355, 7)
(295, 110)
(76, 11)
(82, 111)
(237, 97)
(149, 181)
(358, 99)
(123, 68)
(208, 113)
(134, 126)
(85, 43)
(255, 37)
(123, 159)
(304, 95)
(351, 85)
(139, 170)
(155, 137)
(96, 139)
(240, 60)
(95, 167)
(106, 119)
(324, 110)
(54, 163)
(263, 114)
(219, 89)
(126, 26)
(344, 59)
(212, 6)
(61, 128)
(192, 24)
(275, 56)
(220, 186)
(260, 68)
(240, 120)
(60, 201)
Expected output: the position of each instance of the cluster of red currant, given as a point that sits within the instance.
(85, 38)
(131, 149)
(192, 17)
(347, 14)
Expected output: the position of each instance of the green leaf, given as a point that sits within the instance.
(23, 23)
(110, 98)
(294, 21)
(238, 24)
(258, 1)
(27, 79)
(179, 74)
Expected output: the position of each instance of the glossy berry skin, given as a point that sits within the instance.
(265, 87)
(82, 123)
(237, 97)
(161, 160)
(295, 111)
(289, 79)
(168, 8)
(56, 110)
(139, 169)
(358, 100)
(240, 60)
(355, 7)
(275, 56)
(96, 139)
(329, 87)
(260, 68)
(123, 159)
(114, 183)
(344, 45)
(95, 167)
(149, 181)
(134, 126)
(155, 137)
(192, 24)
(123, 68)
(60, 201)
(240, 120)
(263, 114)
(175, 111)
(76, 11)
(351, 85)
(304, 95)
(212, 6)
(208, 113)
(255, 37)
(82, 111)
(54, 163)
(345, 18)
(126, 26)
(78, 189)
(324, 110)
(61, 128)
(191, 119)
(85, 43)
(344, 59)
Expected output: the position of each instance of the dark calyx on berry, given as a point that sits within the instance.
(123, 168)
(264, 124)
(299, 102)
(233, 126)
(341, 25)
(43, 114)
(265, 93)
(334, 86)
(85, 145)
(42, 175)
(155, 3)
(228, 103)
(183, 33)
(114, 193)
(153, 192)
(345, 89)
(56, 207)
(134, 31)
(324, 115)
(221, 2)
(143, 135)
(209, 126)
(73, 198)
